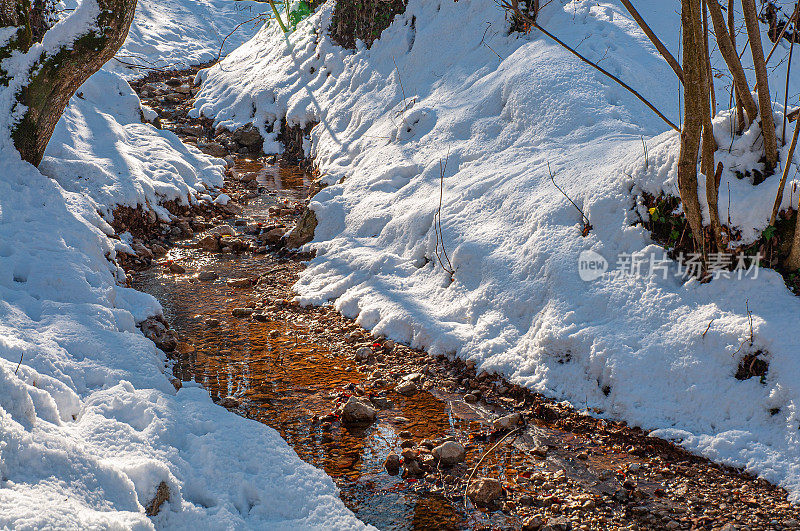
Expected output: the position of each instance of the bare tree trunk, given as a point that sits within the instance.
(728, 50)
(57, 73)
(709, 73)
(793, 262)
(654, 39)
(709, 143)
(694, 93)
(741, 120)
(762, 85)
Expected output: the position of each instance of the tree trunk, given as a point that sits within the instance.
(694, 92)
(728, 50)
(56, 73)
(709, 143)
(741, 120)
(762, 85)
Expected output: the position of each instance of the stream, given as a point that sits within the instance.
(290, 367)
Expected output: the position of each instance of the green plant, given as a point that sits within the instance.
(303, 10)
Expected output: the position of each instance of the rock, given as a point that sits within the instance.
(407, 388)
(363, 354)
(450, 453)
(412, 469)
(382, 402)
(392, 464)
(248, 136)
(357, 412)
(211, 322)
(191, 130)
(557, 524)
(207, 276)
(240, 282)
(223, 230)
(483, 491)
(175, 268)
(242, 312)
(508, 422)
(409, 454)
(533, 523)
(303, 231)
(215, 149)
(142, 251)
(156, 330)
(272, 237)
(470, 398)
(158, 250)
(209, 243)
(229, 401)
(161, 496)
(539, 451)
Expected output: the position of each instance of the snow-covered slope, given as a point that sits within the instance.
(89, 424)
(499, 109)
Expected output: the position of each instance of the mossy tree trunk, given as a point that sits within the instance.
(54, 75)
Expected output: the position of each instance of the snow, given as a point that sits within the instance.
(89, 423)
(446, 82)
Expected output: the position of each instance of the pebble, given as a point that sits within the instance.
(211, 322)
(508, 422)
(242, 312)
(356, 412)
(229, 401)
(392, 464)
(207, 276)
(483, 491)
(407, 388)
(450, 453)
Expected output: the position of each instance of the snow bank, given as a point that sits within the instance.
(89, 424)
(499, 108)
(176, 35)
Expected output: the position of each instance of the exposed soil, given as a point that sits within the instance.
(261, 355)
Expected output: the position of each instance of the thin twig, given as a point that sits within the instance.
(485, 454)
(787, 164)
(708, 328)
(586, 225)
(780, 36)
(437, 222)
(22, 354)
(533, 23)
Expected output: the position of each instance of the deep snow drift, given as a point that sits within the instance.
(89, 423)
(658, 352)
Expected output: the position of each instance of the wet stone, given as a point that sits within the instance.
(483, 491)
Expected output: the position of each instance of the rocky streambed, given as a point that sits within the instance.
(413, 441)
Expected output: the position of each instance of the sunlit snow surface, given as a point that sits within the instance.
(447, 82)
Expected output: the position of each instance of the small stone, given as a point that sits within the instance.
(407, 388)
(392, 464)
(557, 524)
(242, 312)
(470, 398)
(508, 422)
(363, 354)
(240, 282)
(450, 453)
(532, 523)
(273, 237)
(412, 468)
(483, 491)
(158, 250)
(409, 454)
(209, 243)
(229, 401)
(539, 451)
(211, 322)
(357, 412)
(175, 268)
(206, 276)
